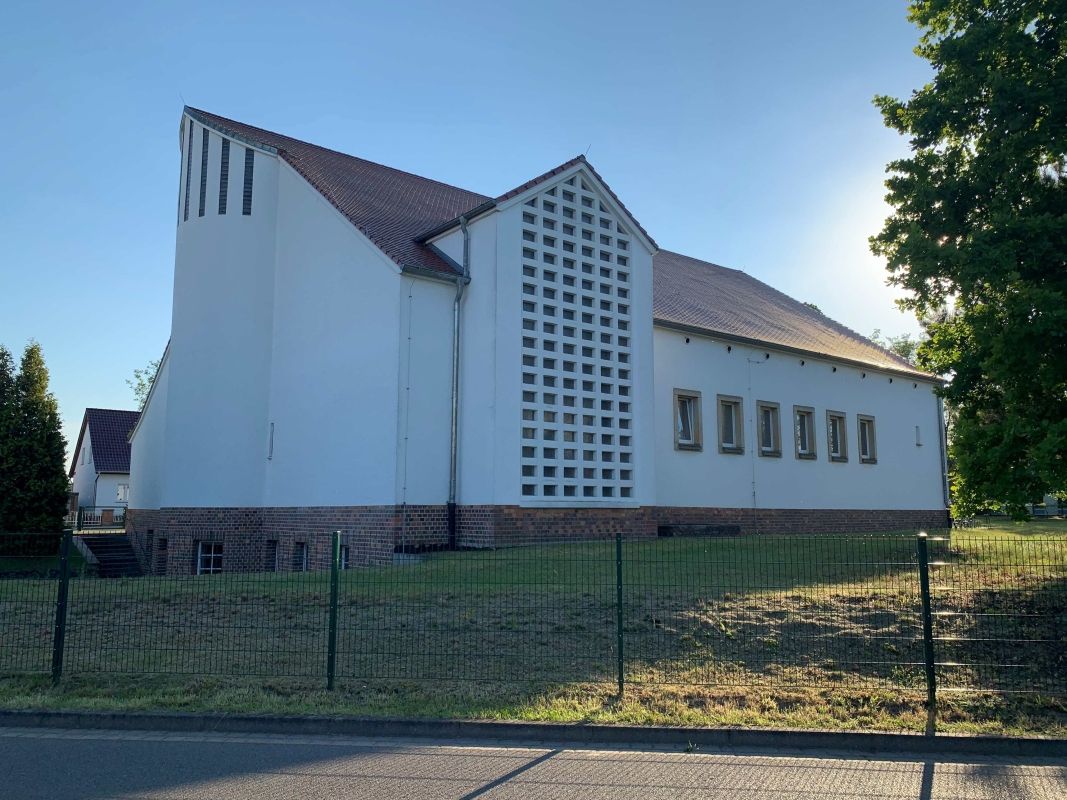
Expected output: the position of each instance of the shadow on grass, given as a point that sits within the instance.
(760, 630)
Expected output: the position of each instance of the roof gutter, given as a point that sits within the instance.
(732, 337)
(453, 449)
(458, 222)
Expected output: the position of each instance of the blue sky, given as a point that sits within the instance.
(741, 133)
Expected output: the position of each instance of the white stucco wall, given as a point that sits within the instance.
(107, 485)
(424, 391)
(335, 342)
(221, 338)
(478, 369)
(906, 476)
(148, 444)
(84, 479)
(291, 318)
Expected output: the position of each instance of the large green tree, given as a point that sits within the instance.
(979, 237)
(34, 451)
(8, 414)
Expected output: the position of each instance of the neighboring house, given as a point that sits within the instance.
(354, 347)
(100, 470)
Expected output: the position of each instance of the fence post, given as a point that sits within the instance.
(928, 633)
(59, 633)
(335, 578)
(618, 615)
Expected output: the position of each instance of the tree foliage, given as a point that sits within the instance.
(978, 237)
(905, 345)
(8, 414)
(33, 476)
(142, 381)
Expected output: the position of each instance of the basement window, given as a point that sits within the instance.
(300, 557)
(208, 558)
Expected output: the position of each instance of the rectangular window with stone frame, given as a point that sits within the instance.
(770, 429)
(868, 448)
(836, 436)
(688, 433)
(731, 424)
(804, 432)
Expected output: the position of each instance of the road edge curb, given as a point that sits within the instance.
(577, 734)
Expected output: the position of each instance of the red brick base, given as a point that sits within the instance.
(257, 539)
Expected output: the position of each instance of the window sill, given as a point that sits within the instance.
(690, 447)
(807, 456)
(868, 460)
(770, 453)
(731, 451)
(839, 459)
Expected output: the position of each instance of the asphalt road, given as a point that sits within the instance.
(104, 764)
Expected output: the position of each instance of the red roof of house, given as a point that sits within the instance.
(109, 431)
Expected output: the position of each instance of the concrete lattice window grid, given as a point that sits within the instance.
(577, 354)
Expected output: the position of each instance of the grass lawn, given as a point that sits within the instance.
(787, 631)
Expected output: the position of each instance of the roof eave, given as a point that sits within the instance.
(192, 113)
(439, 230)
(78, 446)
(436, 275)
(573, 167)
(914, 375)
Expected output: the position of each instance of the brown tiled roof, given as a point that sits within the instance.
(109, 431)
(397, 211)
(389, 206)
(703, 296)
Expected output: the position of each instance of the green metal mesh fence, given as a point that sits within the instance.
(776, 611)
(1000, 612)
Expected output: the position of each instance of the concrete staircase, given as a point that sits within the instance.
(114, 555)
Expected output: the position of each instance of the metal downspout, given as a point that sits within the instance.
(454, 440)
(942, 442)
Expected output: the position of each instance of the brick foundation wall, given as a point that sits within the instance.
(264, 539)
(256, 539)
(806, 520)
(503, 525)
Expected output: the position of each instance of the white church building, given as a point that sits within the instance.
(358, 348)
